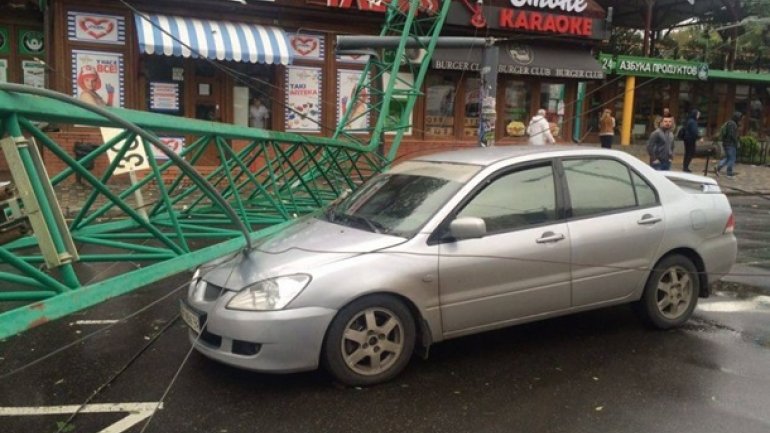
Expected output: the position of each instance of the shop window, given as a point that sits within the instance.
(742, 103)
(440, 91)
(552, 100)
(517, 102)
(253, 95)
(471, 108)
(695, 95)
(165, 84)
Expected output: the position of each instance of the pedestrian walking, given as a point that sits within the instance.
(539, 130)
(690, 136)
(728, 135)
(660, 145)
(606, 128)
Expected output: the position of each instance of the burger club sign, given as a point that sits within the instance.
(560, 17)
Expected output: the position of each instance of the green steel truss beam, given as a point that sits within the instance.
(257, 181)
(262, 176)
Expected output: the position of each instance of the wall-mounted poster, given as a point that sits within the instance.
(97, 77)
(3, 70)
(353, 58)
(33, 73)
(346, 85)
(98, 28)
(174, 143)
(303, 99)
(164, 96)
(5, 41)
(307, 47)
(31, 42)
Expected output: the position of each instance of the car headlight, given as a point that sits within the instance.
(271, 294)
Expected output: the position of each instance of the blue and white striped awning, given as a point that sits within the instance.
(220, 40)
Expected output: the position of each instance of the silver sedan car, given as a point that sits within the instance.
(457, 243)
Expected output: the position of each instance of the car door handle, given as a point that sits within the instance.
(649, 219)
(549, 237)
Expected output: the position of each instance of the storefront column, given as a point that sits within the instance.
(628, 111)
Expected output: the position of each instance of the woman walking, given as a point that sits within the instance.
(606, 128)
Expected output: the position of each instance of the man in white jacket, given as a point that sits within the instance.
(539, 130)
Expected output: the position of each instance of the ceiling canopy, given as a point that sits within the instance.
(668, 13)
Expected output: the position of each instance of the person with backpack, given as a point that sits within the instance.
(728, 135)
(660, 145)
(690, 135)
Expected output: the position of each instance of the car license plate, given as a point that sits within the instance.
(192, 318)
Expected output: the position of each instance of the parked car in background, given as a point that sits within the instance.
(458, 243)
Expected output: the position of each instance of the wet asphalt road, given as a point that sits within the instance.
(595, 372)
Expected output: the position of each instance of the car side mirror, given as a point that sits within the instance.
(468, 228)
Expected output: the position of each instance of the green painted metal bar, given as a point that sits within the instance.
(18, 279)
(31, 271)
(164, 195)
(38, 295)
(119, 203)
(226, 165)
(94, 194)
(250, 178)
(20, 319)
(92, 240)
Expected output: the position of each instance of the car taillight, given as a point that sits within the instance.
(730, 226)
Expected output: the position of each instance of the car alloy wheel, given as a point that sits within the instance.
(373, 341)
(674, 292)
(369, 341)
(671, 293)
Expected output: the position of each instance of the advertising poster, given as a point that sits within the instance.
(164, 96)
(34, 73)
(346, 85)
(102, 29)
(303, 99)
(308, 47)
(174, 143)
(353, 58)
(97, 77)
(3, 70)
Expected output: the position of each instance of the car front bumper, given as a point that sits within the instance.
(272, 341)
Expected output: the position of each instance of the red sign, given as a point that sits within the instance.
(530, 20)
(547, 23)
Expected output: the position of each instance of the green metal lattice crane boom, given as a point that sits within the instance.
(263, 180)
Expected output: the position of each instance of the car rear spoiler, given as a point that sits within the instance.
(692, 181)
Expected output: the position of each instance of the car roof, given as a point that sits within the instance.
(485, 156)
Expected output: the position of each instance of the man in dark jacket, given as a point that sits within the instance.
(691, 136)
(729, 136)
(660, 145)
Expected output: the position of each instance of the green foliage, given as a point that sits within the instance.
(750, 150)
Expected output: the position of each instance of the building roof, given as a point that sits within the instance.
(668, 13)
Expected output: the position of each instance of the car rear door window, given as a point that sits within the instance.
(598, 186)
(518, 199)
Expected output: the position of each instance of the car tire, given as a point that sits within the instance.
(671, 293)
(369, 341)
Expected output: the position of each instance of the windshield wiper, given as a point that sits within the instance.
(372, 225)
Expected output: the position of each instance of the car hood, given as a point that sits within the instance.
(299, 248)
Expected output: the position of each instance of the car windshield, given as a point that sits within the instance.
(400, 201)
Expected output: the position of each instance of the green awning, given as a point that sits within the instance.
(717, 74)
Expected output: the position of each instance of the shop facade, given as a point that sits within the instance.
(680, 86)
(215, 61)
